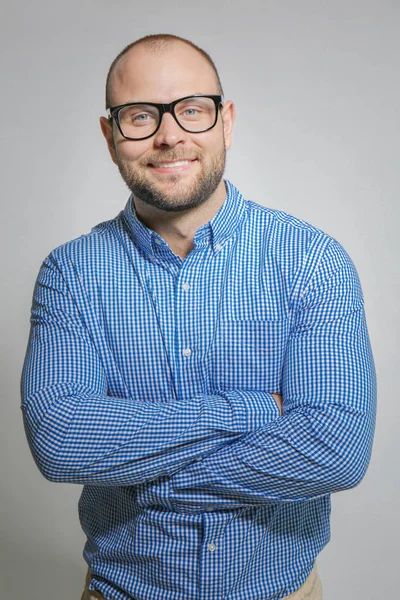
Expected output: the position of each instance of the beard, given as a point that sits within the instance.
(182, 197)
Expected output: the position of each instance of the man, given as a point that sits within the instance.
(200, 363)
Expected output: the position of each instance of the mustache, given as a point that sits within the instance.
(165, 155)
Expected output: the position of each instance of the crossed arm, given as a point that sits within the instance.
(77, 433)
(233, 446)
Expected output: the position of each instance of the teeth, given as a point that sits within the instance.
(178, 163)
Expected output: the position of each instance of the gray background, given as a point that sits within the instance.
(316, 85)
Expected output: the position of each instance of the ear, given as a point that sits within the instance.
(106, 126)
(228, 114)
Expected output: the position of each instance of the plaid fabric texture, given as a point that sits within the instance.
(148, 379)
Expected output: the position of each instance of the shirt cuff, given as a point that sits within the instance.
(258, 408)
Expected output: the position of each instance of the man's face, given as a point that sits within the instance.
(174, 170)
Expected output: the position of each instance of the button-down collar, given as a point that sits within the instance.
(216, 232)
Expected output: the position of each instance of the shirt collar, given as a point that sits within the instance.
(215, 233)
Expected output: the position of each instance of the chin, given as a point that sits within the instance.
(175, 192)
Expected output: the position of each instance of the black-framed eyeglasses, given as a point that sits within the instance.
(141, 120)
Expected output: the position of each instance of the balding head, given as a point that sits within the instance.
(156, 45)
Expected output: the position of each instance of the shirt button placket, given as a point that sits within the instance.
(187, 351)
(210, 569)
(186, 329)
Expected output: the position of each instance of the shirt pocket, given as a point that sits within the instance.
(248, 354)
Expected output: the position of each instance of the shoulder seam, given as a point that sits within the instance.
(286, 218)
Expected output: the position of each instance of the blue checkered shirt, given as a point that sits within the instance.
(148, 379)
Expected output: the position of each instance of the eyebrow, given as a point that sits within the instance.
(186, 96)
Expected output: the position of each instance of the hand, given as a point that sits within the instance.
(278, 398)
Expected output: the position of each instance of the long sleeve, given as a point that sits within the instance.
(322, 442)
(77, 433)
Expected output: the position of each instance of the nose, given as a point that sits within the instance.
(169, 133)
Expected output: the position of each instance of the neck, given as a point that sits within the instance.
(178, 228)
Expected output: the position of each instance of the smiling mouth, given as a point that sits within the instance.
(171, 164)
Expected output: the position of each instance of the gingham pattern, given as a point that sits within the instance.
(147, 379)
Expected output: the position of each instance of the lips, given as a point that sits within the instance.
(171, 164)
(176, 167)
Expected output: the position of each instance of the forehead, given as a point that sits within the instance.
(162, 75)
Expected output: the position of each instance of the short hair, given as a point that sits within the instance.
(157, 43)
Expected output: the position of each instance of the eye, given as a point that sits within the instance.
(140, 117)
(191, 112)
(137, 115)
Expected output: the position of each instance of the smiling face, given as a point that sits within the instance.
(174, 170)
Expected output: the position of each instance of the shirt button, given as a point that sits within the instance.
(158, 242)
(218, 247)
(211, 547)
(209, 508)
(187, 352)
(186, 287)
